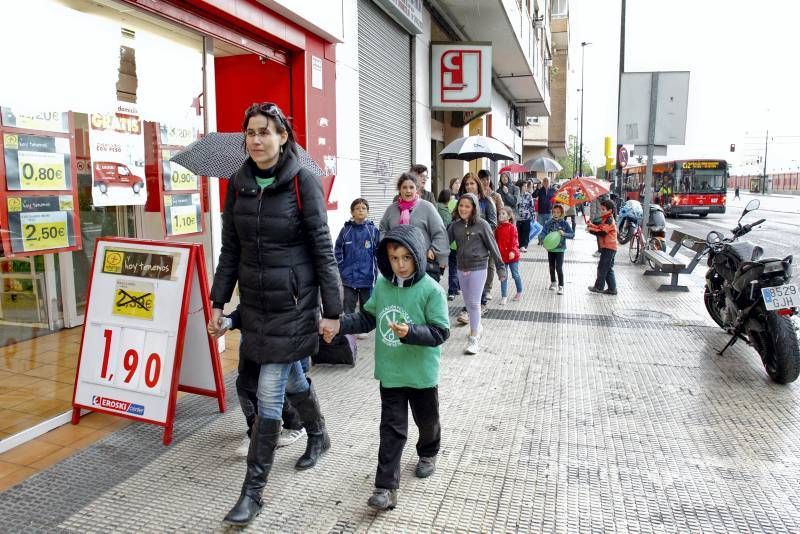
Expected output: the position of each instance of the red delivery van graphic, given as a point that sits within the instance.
(109, 174)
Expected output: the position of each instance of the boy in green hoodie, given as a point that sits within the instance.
(408, 311)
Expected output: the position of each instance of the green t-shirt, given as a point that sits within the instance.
(264, 182)
(399, 364)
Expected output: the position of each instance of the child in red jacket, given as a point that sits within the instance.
(606, 231)
(508, 242)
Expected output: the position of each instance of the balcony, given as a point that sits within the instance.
(518, 49)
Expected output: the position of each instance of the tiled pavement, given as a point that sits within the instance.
(583, 413)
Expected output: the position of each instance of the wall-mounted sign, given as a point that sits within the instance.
(37, 162)
(116, 147)
(40, 223)
(461, 76)
(182, 214)
(49, 121)
(407, 13)
(176, 177)
(177, 135)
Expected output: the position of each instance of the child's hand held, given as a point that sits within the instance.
(399, 329)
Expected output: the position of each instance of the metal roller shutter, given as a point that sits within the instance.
(384, 80)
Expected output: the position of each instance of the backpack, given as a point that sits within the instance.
(341, 350)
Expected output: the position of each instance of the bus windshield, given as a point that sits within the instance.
(702, 181)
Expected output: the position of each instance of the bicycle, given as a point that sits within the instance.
(637, 244)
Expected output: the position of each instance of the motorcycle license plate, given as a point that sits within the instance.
(778, 298)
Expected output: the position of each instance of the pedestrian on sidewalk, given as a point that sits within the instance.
(408, 312)
(409, 208)
(555, 257)
(277, 246)
(524, 215)
(606, 231)
(508, 191)
(508, 243)
(355, 256)
(475, 244)
(544, 204)
(488, 212)
(422, 180)
(736, 192)
(247, 393)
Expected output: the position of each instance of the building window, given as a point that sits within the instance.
(559, 8)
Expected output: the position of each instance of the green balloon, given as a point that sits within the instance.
(551, 241)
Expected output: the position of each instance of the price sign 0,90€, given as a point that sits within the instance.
(144, 337)
(176, 177)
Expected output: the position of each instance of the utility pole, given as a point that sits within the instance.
(764, 175)
(619, 91)
(584, 44)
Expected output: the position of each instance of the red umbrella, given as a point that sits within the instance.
(514, 168)
(580, 190)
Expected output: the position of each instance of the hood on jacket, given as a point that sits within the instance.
(475, 205)
(410, 237)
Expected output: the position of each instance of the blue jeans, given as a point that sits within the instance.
(543, 218)
(513, 268)
(274, 380)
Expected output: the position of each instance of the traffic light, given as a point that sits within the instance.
(733, 147)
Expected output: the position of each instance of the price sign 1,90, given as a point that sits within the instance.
(132, 359)
(41, 170)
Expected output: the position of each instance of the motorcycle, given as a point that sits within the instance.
(752, 299)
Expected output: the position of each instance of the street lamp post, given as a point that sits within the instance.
(580, 158)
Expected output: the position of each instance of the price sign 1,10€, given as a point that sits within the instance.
(184, 220)
(44, 230)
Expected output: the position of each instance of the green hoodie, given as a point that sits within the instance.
(419, 302)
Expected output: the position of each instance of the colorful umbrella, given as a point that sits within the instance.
(580, 190)
(514, 168)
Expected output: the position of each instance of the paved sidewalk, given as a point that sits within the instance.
(582, 413)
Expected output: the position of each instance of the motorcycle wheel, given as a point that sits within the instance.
(778, 348)
(624, 233)
(708, 300)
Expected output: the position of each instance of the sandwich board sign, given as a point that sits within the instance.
(145, 338)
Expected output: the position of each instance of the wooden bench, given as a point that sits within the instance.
(669, 264)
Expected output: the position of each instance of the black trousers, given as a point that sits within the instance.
(556, 261)
(247, 389)
(524, 231)
(394, 429)
(355, 295)
(453, 287)
(605, 270)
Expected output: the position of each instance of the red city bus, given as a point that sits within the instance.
(696, 186)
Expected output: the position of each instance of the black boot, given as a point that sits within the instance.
(264, 436)
(307, 405)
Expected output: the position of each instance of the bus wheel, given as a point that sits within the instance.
(703, 215)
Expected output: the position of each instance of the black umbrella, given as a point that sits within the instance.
(222, 154)
(474, 147)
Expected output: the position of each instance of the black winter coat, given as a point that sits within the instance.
(281, 256)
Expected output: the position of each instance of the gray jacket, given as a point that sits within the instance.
(425, 217)
(475, 244)
(510, 199)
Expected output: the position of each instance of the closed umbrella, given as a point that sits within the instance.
(222, 154)
(474, 147)
(543, 164)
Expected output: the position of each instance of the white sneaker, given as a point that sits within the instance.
(362, 336)
(503, 301)
(243, 447)
(289, 436)
(523, 250)
(553, 286)
(463, 317)
(596, 254)
(560, 290)
(472, 345)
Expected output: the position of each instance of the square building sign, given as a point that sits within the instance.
(461, 76)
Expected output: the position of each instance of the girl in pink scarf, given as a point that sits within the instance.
(407, 200)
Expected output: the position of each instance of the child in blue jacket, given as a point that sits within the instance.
(555, 257)
(355, 256)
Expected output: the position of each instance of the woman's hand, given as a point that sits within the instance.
(399, 329)
(214, 329)
(328, 328)
(431, 255)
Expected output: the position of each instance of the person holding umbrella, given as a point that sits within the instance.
(409, 208)
(277, 246)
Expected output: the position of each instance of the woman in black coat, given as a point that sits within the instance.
(276, 244)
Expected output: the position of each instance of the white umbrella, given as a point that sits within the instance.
(543, 164)
(474, 147)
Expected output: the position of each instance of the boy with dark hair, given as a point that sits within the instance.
(355, 255)
(408, 311)
(606, 231)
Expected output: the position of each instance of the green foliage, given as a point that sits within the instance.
(568, 161)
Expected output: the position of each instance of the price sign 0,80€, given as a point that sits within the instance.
(144, 337)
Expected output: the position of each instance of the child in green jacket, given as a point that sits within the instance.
(408, 311)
